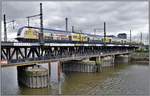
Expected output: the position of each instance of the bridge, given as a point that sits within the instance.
(19, 53)
(35, 48)
(25, 56)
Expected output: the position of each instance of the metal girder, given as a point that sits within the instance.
(3, 56)
(13, 52)
(3, 51)
(46, 52)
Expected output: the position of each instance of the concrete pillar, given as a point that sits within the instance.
(129, 57)
(32, 76)
(85, 68)
(49, 72)
(107, 61)
(59, 70)
(79, 68)
(98, 63)
(82, 66)
(55, 71)
(91, 67)
(121, 59)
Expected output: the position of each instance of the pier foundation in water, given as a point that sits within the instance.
(79, 66)
(122, 58)
(36, 76)
(33, 76)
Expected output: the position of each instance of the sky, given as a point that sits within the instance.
(119, 16)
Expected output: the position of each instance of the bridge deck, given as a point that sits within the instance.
(62, 59)
(19, 53)
(20, 44)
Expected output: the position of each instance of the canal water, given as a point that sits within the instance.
(122, 79)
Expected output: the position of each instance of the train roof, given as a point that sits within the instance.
(58, 31)
(20, 29)
(63, 31)
(93, 35)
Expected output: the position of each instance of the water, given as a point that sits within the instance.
(123, 79)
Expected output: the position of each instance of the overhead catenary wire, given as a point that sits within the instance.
(12, 21)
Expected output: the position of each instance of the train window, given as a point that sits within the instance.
(75, 36)
(88, 39)
(27, 32)
(121, 41)
(109, 40)
(69, 37)
(34, 32)
(102, 39)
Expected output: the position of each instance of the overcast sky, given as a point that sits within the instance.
(119, 16)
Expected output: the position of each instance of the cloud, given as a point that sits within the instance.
(85, 16)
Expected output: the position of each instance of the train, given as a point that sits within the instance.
(32, 34)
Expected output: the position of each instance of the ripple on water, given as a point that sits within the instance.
(127, 82)
(123, 80)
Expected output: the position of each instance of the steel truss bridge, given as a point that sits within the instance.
(16, 53)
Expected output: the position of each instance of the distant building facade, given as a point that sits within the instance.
(122, 35)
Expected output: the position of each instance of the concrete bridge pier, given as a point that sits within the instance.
(36, 76)
(112, 60)
(55, 71)
(33, 76)
(107, 61)
(98, 64)
(55, 75)
(79, 66)
(122, 58)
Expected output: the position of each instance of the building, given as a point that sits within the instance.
(122, 35)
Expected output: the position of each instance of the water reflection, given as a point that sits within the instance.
(9, 81)
(122, 79)
(56, 88)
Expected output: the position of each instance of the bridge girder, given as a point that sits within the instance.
(31, 53)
